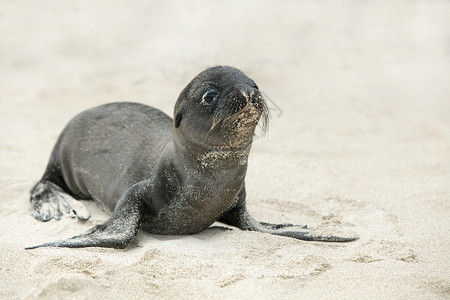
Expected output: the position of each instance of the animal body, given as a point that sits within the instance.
(164, 175)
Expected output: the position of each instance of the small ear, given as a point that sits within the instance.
(178, 120)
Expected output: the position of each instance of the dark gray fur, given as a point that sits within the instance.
(170, 176)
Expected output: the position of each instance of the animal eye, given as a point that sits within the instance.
(210, 97)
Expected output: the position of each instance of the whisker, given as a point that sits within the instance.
(276, 107)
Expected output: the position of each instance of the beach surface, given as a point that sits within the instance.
(358, 144)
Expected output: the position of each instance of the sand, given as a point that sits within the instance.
(362, 145)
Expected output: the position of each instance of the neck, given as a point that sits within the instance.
(211, 157)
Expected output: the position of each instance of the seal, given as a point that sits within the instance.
(165, 176)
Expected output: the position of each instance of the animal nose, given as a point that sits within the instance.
(255, 97)
(250, 94)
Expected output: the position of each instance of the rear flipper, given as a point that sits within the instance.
(48, 201)
(117, 232)
(240, 218)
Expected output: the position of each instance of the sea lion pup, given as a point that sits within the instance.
(170, 176)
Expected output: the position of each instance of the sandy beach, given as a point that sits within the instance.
(358, 144)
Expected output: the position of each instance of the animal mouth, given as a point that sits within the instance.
(247, 119)
(248, 112)
(239, 113)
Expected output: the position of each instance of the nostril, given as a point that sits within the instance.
(249, 94)
(246, 96)
(255, 97)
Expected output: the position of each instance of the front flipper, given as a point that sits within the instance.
(283, 225)
(117, 232)
(240, 218)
